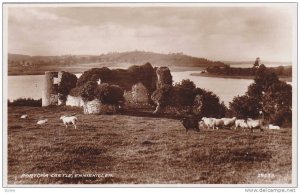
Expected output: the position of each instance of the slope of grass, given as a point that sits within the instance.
(133, 149)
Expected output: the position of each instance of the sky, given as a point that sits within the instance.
(217, 33)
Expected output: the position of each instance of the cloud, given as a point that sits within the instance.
(218, 33)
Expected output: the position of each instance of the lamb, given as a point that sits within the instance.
(273, 127)
(25, 116)
(69, 120)
(42, 122)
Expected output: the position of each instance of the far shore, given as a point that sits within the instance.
(287, 79)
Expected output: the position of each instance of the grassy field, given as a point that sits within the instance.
(133, 149)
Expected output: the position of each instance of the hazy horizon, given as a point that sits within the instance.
(215, 33)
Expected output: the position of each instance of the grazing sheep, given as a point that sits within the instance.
(254, 124)
(273, 127)
(240, 123)
(190, 124)
(228, 122)
(209, 122)
(42, 122)
(25, 116)
(69, 120)
(217, 123)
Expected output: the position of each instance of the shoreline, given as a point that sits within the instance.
(287, 79)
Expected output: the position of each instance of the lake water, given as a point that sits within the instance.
(31, 85)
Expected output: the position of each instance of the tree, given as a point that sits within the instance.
(277, 103)
(268, 95)
(245, 107)
(256, 63)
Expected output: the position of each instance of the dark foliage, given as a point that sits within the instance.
(68, 81)
(88, 91)
(109, 94)
(227, 70)
(26, 102)
(268, 95)
(124, 78)
(211, 105)
(204, 103)
(245, 107)
(184, 93)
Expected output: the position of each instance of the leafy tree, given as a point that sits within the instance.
(268, 95)
(245, 107)
(277, 103)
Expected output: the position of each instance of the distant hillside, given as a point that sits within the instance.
(24, 64)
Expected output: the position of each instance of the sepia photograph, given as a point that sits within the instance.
(153, 94)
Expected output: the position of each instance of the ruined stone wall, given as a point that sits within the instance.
(96, 107)
(74, 101)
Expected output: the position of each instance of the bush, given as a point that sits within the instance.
(109, 94)
(87, 93)
(26, 102)
(203, 103)
(68, 81)
(210, 105)
(124, 78)
(183, 93)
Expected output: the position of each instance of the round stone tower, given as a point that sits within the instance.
(50, 90)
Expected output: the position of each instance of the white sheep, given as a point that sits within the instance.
(25, 116)
(274, 127)
(69, 120)
(42, 122)
(241, 123)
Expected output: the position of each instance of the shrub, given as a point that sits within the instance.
(211, 106)
(87, 93)
(26, 102)
(109, 94)
(68, 81)
(203, 103)
(124, 78)
(183, 93)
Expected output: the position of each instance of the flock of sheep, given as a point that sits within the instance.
(191, 123)
(67, 120)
